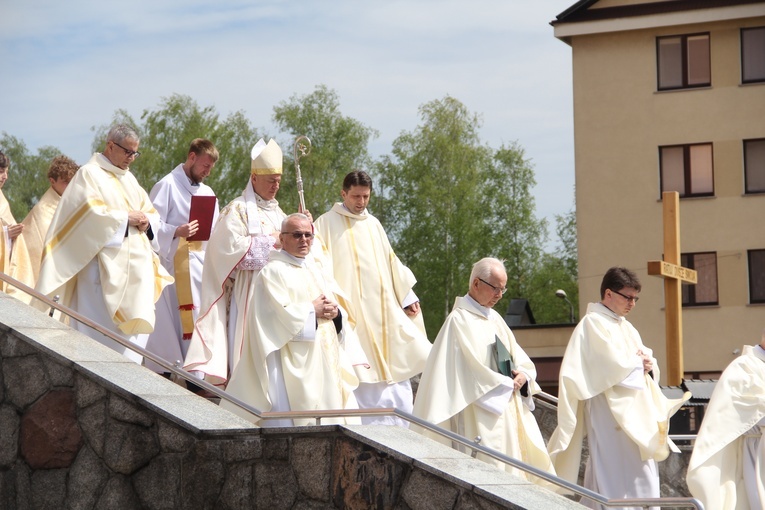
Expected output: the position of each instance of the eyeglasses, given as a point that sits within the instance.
(634, 299)
(128, 152)
(494, 287)
(299, 235)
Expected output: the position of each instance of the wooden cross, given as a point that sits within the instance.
(674, 275)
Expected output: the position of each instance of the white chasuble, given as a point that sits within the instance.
(601, 354)
(14, 257)
(462, 391)
(727, 467)
(291, 348)
(376, 284)
(36, 227)
(91, 224)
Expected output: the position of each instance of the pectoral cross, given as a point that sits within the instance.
(674, 275)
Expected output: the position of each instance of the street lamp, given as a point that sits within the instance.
(562, 294)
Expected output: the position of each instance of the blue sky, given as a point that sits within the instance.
(67, 66)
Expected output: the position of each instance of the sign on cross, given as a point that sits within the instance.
(674, 275)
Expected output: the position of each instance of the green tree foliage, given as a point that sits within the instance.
(435, 188)
(27, 176)
(339, 145)
(450, 200)
(167, 132)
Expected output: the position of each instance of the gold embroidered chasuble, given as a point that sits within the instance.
(14, 257)
(376, 283)
(36, 227)
(93, 207)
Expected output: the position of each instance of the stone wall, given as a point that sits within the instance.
(81, 427)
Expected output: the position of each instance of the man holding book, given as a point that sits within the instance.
(478, 381)
(184, 203)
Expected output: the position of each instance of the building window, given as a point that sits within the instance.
(756, 276)
(754, 165)
(752, 55)
(683, 61)
(687, 169)
(704, 292)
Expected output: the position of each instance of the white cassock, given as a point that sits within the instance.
(178, 307)
(239, 247)
(462, 391)
(378, 286)
(605, 395)
(292, 360)
(98, 265)
(727, 467)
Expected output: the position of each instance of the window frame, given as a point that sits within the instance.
(751, 276)
(745, 155)
(687, 170)
(743, 56)
(684, 62)
(688, 290)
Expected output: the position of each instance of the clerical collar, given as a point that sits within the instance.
(363, 213)
(605, 311)
(107, 165)
(761, 350)
(485, 311)
(297, 260)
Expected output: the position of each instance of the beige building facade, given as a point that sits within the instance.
(670, 96)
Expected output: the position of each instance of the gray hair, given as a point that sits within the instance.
(120, 133)
(482, 269)
(297, 215)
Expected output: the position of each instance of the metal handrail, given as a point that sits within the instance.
(318, 415)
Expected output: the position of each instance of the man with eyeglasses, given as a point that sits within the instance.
(240, 245)
(469, 387)
(609, 392)
(299, 354)
(99, 254)
(382, 303)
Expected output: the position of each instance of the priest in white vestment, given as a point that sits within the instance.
(239, 247)
(14, 258)
(727, 467)
(178, 307)
(384, 309)
(462, 388)
(609, 392)
(297, 355)
(36, 224)
(99, 254)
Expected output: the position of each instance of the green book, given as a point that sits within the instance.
(503, 358)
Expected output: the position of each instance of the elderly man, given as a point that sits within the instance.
(14, 258)
(239, 246)
(181, 255)
(469, 387)
(295, 358)
(609, 392)
(385, 309)
(36, 224)
(727, 467)
(99, 252)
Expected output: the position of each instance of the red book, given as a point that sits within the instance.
(202, 210)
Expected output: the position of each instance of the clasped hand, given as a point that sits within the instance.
(519, 379)
(138, 220)
(647, 361)
(325, 308)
